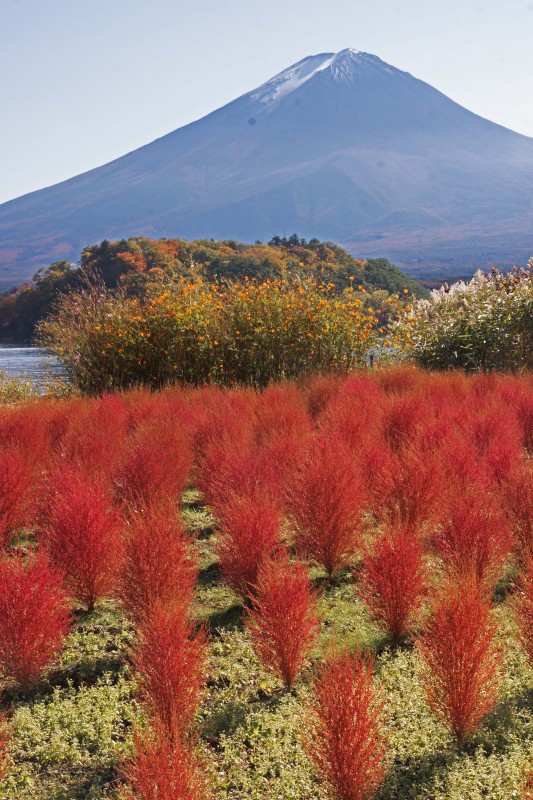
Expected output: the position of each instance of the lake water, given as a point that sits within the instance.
(27, 362)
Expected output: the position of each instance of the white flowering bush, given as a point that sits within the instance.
(484, 324)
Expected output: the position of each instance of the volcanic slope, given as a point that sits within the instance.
(339, 146)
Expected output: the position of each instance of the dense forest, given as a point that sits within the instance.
(132, 264)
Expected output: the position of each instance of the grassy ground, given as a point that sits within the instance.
(71, 733)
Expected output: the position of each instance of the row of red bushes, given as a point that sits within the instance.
(426, 479)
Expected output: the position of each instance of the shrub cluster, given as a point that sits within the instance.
(194, 333)
(413, 488)
(484, 324)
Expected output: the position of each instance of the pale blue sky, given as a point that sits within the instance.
(85, 81)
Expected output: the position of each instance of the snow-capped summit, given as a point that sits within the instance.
(291, 78)
(340, 146)
(347, 65)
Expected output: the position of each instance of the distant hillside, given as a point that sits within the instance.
(340, 146)
(131, 264)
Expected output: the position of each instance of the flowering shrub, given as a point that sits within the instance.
(484, 324)
(195, 332)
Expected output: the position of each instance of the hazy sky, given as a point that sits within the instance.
(85, 81)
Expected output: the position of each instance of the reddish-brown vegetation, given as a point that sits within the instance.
(284, 620)
(393, 581)
(158, 461)
(474, 539)
(161, 769)
(326, 500)
(158, 565)
(82, 534)
(16, 481)
(34, 618)
(168, 660)
(249, 534)
(523, 608)
(427, 477)
(461, 658)
(346, 739)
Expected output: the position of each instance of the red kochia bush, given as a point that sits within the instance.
(282, 427)
(517, 494)
(355, 412)
(235, 465)
(325, 501)
(393, 580)
(402, 416)
(523, 608)
(158, 461)
(346, 740)
(16, 481)
(284, 620)
(94, 438)
(161, 769)
(218, 413)
(34, 618)
(408, 483)
(474, 538)
(497, 436)
(25, 428)
(158, 564)
(169, 659)
(82, 535)
(461, 657)
(250, 526)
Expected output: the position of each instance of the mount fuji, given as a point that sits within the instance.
(339, 146)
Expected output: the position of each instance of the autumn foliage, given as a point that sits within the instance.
(474, 539)
(161, 769)
(158, 564)
(393, 580)
(346, 739)
(461, 657)
(82, 534)
(284, 620)
(16, 480)
(523, 608)
(157, 462)
(168, 660)
(34, 618)
(249, 534)
(420, 484)
(325, 500)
